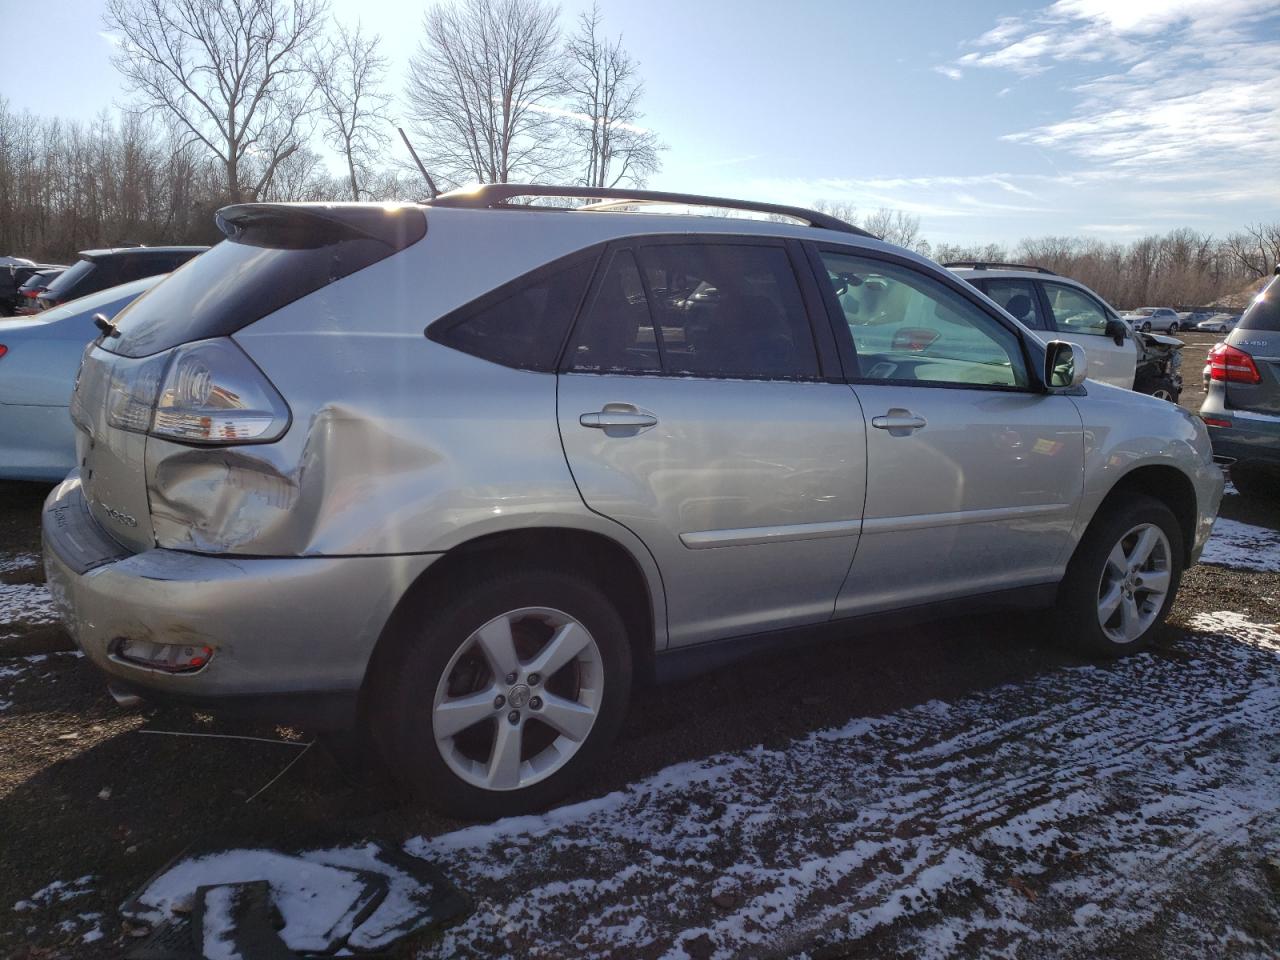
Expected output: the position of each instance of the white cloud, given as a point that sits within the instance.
(1190, 87)
(951, 73)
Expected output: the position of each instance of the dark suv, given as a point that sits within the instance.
(98, 269)
(1242, 406)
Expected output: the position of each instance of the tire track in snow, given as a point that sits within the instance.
(1098, 789)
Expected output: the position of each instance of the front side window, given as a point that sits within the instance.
(698, 310)
(1074, 311)
(908, 327)
(1019, 298)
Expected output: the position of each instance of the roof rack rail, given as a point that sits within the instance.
(495, 195)
(998, 265)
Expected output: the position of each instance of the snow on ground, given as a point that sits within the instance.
(16, 670)
(321, 894)
(56, 892)
(1236, 544)
(23, 602)
(1060, 815)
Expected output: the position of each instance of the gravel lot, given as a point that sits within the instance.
(967, 790)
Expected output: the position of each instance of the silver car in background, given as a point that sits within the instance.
(465, 472)
(39, 357)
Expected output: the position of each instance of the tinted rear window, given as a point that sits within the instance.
(264, 268)
(72, 275)
(1264, 312)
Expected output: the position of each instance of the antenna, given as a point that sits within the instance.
(431, 184)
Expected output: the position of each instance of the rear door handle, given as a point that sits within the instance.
(899, 422)
(622, 417)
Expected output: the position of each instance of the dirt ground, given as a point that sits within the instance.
(96, 798)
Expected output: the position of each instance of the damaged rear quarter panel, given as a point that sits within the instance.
(397, 444)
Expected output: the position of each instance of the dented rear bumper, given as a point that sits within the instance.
(282, 630)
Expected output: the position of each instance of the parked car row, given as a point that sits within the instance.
(25, 283)
(38, 287)
(1242, 401)
(464, 486)
(1049, 304)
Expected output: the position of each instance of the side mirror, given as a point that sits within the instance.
(1115, 329)
(1065, 365)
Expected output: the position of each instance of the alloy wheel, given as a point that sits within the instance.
(1134, 584)
(518, 698)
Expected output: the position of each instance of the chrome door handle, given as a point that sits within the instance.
(629, 418)
(899, 422)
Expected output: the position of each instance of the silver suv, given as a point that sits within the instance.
(467, 471)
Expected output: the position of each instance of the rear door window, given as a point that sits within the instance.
(1018, 297)
(615, 333)
(721, 310)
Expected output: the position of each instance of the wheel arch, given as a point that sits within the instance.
(613, 567)
(1171, 487)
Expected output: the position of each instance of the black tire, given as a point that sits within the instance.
(401, 717)
(1256, 481)
(1162, 387)
(1173, 327)
(1146, 327)
(1078, 596)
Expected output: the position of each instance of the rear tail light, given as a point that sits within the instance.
(913, 339)
(3, 349)
(213, 393)
(207, 392)
(1216, 422)
(1227, 363)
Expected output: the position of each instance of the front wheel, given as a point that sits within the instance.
(502, 700)
(1146, 327)
(1122, 579)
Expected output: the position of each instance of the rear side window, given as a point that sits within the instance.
(1264, 312)
(522, 324)
(729, 310)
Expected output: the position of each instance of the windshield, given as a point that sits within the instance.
(82, 268)
(1264, 312)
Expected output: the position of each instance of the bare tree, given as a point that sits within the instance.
(841, 210)
(348, 71)
(1256, 248)
(482, 91)
(231, 72)
(894, 226)
(609, 144)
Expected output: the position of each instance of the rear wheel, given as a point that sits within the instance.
(1122, 579)
(505, 698)
(1173, 327)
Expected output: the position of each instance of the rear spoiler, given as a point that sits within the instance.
(301, 226)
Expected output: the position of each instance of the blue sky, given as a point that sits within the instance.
(990, 121)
